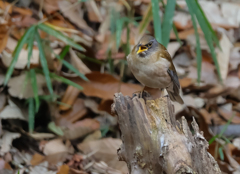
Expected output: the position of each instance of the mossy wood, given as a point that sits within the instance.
(155, 143)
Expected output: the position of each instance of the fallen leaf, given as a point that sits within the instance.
(182, 20)
(106, 150)
(232, 81)
(77, 111)
(186, 82)
(64, 169)
(212, 117)
(6, 141)
(3, 36)
(49, 6)
(21, 87)
(105, 85)
(234, 58)
(93, 136)
(40, 136)
(12, 111)
(56, 146)
(223, 56)
(69, 98)
(71, 12)
(41, 169)
(173, 47)
(2, 101)
(93, 12)
(81, 128)
(105, 105)
(227, 115)
(37, 159)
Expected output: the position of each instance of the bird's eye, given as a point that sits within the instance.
(150, 44)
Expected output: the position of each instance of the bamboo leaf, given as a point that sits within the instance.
(31, 115)
(207, 33)
(33, 80)
(176, 34)
(199, 52)
(221, 153)
(65, 50)
(16, 53)
(30, 45)
(44, 63)
(168, 21)
(156, 21)
(60, 36)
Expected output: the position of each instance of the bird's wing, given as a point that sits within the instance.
(174, 77)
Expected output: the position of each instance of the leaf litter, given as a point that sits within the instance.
(73, 133)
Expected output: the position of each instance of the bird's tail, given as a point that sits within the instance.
(175, 97)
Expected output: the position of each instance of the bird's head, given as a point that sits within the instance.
(146, 46)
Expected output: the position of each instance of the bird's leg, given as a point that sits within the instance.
(142, 92)
(162, 92)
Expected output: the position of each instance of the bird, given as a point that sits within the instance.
(152, 66)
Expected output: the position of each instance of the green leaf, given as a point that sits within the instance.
(214, 36)
(221, 153)
(119, 26)
(44, 63)
(72, 68)
(147, 17)
(212, 139)
(226, 125)
(207, 32)
(33, 80)
(199, 52)
(176, 34)
(31, 115)
(156, 21)
(30, 46)
(16, 53)
(168, 21)
(65, 50)
(64, 80)
(54, 128)
(60, 36)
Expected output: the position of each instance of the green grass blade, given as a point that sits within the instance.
(56, 129)
(156, 21)
(168, 21)
(69, 66)
(44, 63)
(64, 80)
(30, 46)
(176, 34)
(33, 80)
(220, 150)
(119, 27)
(64, 52)
(206, 31)
(31, 115)
(214, 36)
(212, 139)
(199, 52)
(147, 17)
(16, 53)
(60, 36)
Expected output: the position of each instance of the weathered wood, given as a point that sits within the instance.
(155, 143)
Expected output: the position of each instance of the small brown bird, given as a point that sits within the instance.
(152, 66)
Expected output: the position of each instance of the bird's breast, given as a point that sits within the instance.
(151, 74)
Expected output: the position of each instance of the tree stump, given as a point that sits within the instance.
(155, 143)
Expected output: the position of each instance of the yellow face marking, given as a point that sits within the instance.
(141, 49)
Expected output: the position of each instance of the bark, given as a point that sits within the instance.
(155, 143)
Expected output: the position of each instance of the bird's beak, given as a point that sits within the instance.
(141, 49)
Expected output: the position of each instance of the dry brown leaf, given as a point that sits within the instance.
(6, 141)
(40, 136)
(93, 11)
(22, 58)
(105, 85)
(2, 101)
(186, 82)
(37, 159)
(227, 115)
(12, 111)
(72, 12)
(3, 36)
(232, 81)
(77, 111)
(234, 58)
(93, 136)
(56, 146)
(64, 169)
(106, 150)
(182, 20)
(173, 47)
(21, 87)
(81, 128)
(224, 55)
(69, 98)
(105, 105)
(49, 6)
(212, 117)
